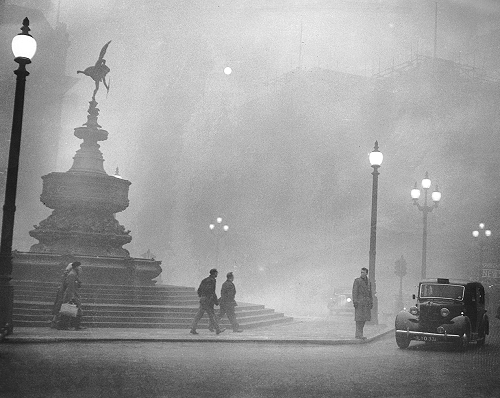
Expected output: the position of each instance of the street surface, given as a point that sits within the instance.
(237, 370)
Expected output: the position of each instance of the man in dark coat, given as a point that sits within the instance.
(227, 302)
(71, 295)
(208, 298)
(363, 301)
(59, 295)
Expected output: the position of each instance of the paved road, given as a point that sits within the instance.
(237, 370)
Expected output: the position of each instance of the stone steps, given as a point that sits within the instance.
(113, 306)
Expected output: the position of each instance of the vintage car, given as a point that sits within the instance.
(446, 311)
(341, 303)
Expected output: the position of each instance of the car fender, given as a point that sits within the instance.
(458, 325)
(406, 321)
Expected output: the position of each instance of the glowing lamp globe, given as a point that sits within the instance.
(436, 195)
(24, 45)
(375, 156)
(426, 182)
(415, 192)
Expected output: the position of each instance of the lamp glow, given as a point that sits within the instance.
(426, 182)
(415, 192)
(376, 156)
(24, 45)
(436, 195)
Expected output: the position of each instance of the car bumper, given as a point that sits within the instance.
(428, 336)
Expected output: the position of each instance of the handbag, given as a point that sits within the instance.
(68, 309)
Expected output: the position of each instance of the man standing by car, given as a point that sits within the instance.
(363, 301)
(227, 302)
(208, 298)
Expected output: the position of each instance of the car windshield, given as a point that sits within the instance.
(455, 292)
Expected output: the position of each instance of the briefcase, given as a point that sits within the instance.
(68, 309)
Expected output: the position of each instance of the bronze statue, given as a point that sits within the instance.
(99, 71)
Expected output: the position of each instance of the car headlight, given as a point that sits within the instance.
(414, 310)
(445, 312)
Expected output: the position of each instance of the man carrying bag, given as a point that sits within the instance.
(72, 296)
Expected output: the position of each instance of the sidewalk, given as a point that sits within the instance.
(302, 330)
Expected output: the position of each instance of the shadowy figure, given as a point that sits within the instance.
(227, 302)
(71, 295)
(362, 299)
(208, 298)
(59, 295)
(99, 71)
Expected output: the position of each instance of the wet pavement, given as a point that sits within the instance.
(304, 330)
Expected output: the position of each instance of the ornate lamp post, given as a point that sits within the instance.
(376, 159)
(218, 230)
(24, 48)
(481, 235)
(425, 209)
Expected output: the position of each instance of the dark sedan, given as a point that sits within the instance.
(446, 311)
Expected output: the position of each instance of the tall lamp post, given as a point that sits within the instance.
(376, 159)
(481, 235)
(24, 48)
(218, 230)
(425, 209)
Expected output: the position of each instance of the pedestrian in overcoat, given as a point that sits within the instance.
(71, 295)
(59, 295)
(363, 301)
(228, 303)
(208, 298)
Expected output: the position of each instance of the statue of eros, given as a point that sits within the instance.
(99, 71)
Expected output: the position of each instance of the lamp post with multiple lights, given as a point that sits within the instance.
(375, 159)
(24, 48)
(218, 230)
(481, 236)
(425, 209)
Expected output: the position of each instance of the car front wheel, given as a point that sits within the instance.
(402, 341)
(481, 339)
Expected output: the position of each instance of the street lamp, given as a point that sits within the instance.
(218, 230)
(425, 209)
(24, 48)
(481, 235)
(376, 159)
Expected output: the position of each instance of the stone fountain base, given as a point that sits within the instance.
(47, 267)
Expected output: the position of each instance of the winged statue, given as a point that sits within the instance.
(98, 71)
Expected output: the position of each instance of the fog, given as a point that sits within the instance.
(279, 147)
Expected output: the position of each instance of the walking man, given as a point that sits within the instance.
(71, 295)
(227, 302)
(363, 302)
(208, 298)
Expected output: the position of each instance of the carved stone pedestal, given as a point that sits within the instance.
(47, 267)
(82, 225)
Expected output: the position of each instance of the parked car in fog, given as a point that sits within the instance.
(341, 303)
(446, 311)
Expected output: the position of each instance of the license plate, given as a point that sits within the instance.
(425, 338)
